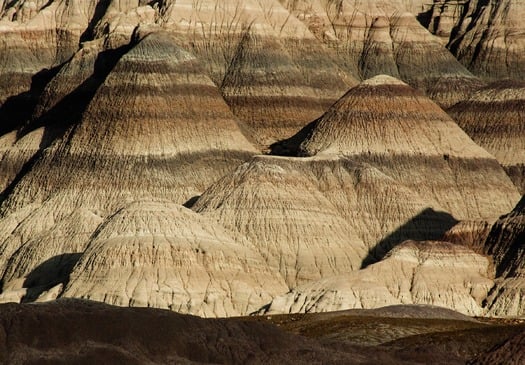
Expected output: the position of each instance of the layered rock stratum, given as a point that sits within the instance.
(373, 38)
(494, 118)
(141, 136)
(37, 37)
(486, 36)
(391, 126)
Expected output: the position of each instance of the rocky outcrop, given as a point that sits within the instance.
(156, 128)
(165, 256)
(493, 117)
(444, 16)
(391, 126)
(436, 273)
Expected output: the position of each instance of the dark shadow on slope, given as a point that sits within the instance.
(455, 37)
(27, 166)
(520, 207)
(427, 225)
(292, 146)
(48, 274)
(17, 109)
(100, 10)
(424, 18)
(191, 201)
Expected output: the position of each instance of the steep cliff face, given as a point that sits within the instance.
(157, 127)
(494, 118)
(486, 36)
(436, 273)
(165, 256)
(386, 123)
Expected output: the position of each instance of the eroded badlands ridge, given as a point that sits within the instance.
(165, 256)
(486, 36)
(493, 117)
(114, 114)
(389, 125)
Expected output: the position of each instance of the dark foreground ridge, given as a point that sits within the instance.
(82, 332)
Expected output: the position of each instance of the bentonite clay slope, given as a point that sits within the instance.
(157, 127)
(494, 118)
(396, 129)
(166, 256)
(274, 203)
(372, 38)
(490, 38)
(505, 243)
(437, 273)
(316, 217)
(272, 71)
(46, 259)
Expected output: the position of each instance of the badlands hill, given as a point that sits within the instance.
(486, 36)
(493, 117)
(317, 217)
(130, 143)
(393, 127)
(42, 333)
(129, 131)
(278, 64)
(435, 273)
(165, 256)
(373, 38)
